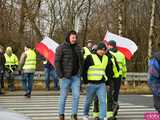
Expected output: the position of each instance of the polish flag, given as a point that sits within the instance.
(47, 48)
(125, 45)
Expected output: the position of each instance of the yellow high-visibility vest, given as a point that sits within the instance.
(11, 60)
(86, 52)
(121, 62)
(97, 71)
(115, 70)
(30, 62)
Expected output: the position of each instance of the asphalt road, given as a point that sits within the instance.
(44, 105)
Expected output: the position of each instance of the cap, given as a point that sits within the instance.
(112, 42)
(101, 46)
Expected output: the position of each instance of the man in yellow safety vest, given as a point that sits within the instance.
(10, 66)
(112, 66)
(28, 65)
(120, 58)
(94, 75)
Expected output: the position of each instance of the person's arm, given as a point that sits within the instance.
(3, 61)
(87, 63)
(109, 69)
(58, 62)
(22, 60)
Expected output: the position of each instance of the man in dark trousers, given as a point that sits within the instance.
(154, 79)
(2, 68)
(50, 74)
(120, 58)
(68, 66)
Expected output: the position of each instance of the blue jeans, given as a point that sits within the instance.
(27, 81)
(65, 84)
(51, 73)
(92, 91)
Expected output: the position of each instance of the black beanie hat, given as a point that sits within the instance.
(101, 46)
(112, 42)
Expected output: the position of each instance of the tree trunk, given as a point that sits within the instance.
(150, 39)
(86, 22)
(22, 24)
(120, 17)
(31, 18)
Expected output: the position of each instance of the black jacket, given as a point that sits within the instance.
(68, 60)
(2, 62)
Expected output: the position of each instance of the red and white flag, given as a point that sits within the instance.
(47, 48)
(125, 45)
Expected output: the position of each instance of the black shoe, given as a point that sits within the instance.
(74, 117)
(115, 109)
(26, 94)
(61, 117)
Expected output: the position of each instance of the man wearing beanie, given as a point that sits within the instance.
(94, 75)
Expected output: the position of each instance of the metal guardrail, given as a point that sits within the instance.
(131, 76)
(135, 76)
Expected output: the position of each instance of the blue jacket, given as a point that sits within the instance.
(154, 75)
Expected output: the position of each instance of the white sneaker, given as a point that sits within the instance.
(85, 117)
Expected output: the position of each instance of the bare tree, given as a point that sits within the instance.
(151, 33)
(31, 15)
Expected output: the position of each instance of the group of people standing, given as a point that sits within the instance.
(9, 64)
(101, 68)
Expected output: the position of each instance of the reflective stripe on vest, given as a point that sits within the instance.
(115, 70)
(97, 71)
(30, 62)
(86, 52)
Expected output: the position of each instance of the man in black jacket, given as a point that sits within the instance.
(68, 66)
(2, 68)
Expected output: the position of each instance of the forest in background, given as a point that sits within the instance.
(30, 20)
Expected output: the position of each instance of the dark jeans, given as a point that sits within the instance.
(116, 88)
(10, 78)
(110, 96)
(1, 82)
(27, 82)
(51, 73)
(156, 100)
